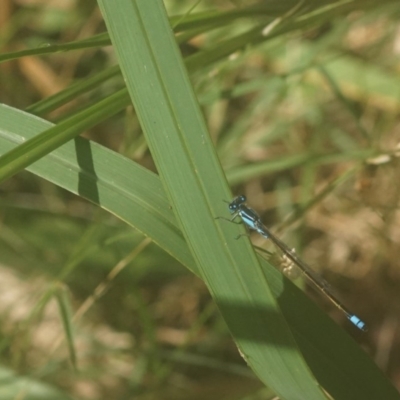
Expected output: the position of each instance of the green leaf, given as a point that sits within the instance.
(195, 184)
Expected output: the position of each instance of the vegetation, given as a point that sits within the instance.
(110, 244)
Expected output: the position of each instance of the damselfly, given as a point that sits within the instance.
(238, 208)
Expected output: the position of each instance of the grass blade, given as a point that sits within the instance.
(195, 184)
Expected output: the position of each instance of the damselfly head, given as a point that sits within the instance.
(236, 203)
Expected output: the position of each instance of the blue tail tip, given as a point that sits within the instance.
(358, 323)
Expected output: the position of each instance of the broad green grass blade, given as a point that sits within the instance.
(98, 174)
(195, 184)
(135, 195)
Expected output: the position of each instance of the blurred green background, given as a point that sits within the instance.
(306, 125)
